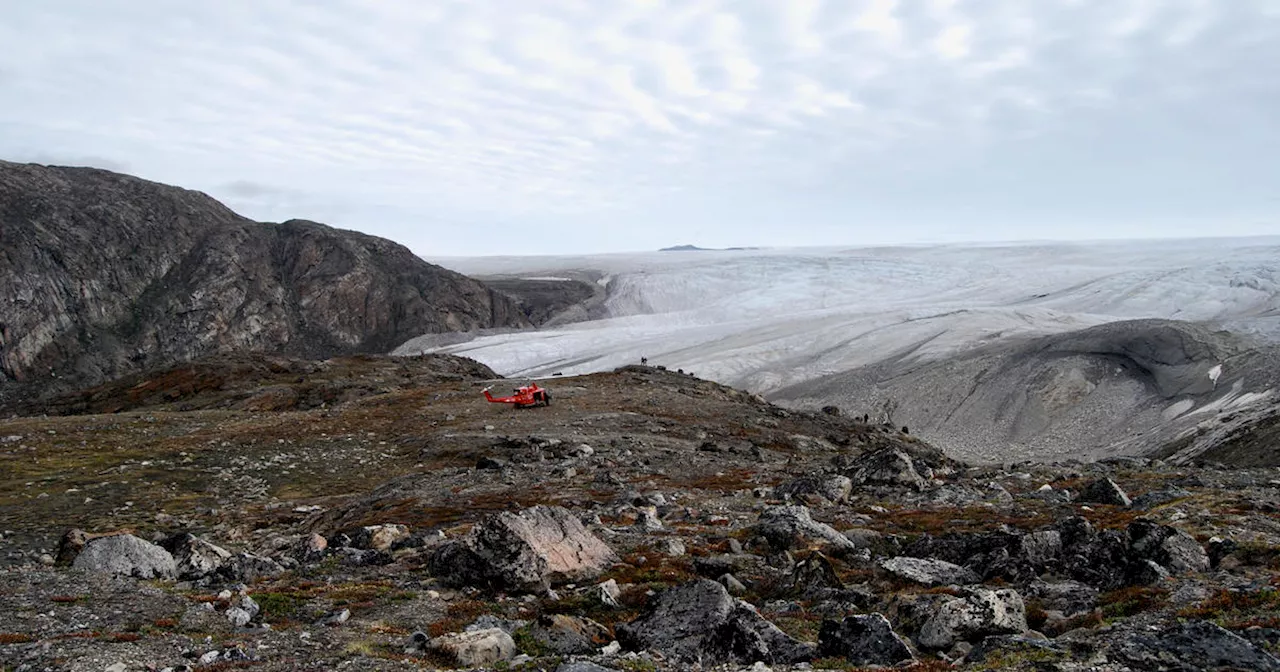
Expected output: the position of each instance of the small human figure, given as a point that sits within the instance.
(644, 360)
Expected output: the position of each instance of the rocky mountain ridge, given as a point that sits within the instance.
(103, 274)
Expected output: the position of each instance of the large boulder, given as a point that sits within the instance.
(475, 648)
(1185, 647)
(979, 614)
(889, 466)
(526, 551)
(379, 537)
(195, 558)
(126, 555)
(563, 635)
(790, 527)
(1104, 491)
(833, 487)
(928, 571)
(701, 622)
(866, 639)
(1169, 547)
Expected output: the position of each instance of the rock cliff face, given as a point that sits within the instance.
(103, 274)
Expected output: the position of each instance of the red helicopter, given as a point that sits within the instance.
(524, 397)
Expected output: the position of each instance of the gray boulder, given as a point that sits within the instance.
(889, 467)
(526, 551)
(250, 567)
(928, 571)
(476, 648)
(195, 557)
(583, 666)
(835, 487)
(1168, 547)
(1185, 647)
(1104, 491)
(379, 537)
(563, 635)
(790, 527)
(126, 555)
(700, 622)
(981, 613)
(866, 639)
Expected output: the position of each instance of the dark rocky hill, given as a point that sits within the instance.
(103, 275)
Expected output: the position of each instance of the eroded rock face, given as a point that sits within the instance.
(126, 555)
(980, 614)
(106, 274)
(866, 639)
(526, 551)
(701, 622)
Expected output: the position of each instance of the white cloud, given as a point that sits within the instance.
(953, 42)
(488, 108)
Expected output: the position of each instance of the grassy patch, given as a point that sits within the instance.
(1132, 601)
(1238, 609)
(280, 607)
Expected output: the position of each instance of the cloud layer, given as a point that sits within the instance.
(458, 127)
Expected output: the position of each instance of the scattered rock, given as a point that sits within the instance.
(732, 584)
(562, 635)
(126, 555)
(1104, 491)
(670, 547)
(888, 466)
(1169, 547)
(929, 572)
(1185, 647)
(699, 621)
(195, 557)
(527, 551)
(866, 639)
(788, 527)
(835, 488)
(980, 614)
(583, 666)
(474, 649)
(379, 537)
(648, 520)
(246, 566)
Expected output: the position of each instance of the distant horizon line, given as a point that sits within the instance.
(693, 247)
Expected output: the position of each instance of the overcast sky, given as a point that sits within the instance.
(538, 126)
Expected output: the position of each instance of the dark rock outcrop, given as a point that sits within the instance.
(788, 527)
(1104, 491)
(866, 639)
(1198, 645)
(103, 274)
(701, 622)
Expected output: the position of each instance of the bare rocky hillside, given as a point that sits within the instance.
(375, 513)
(103, 274)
